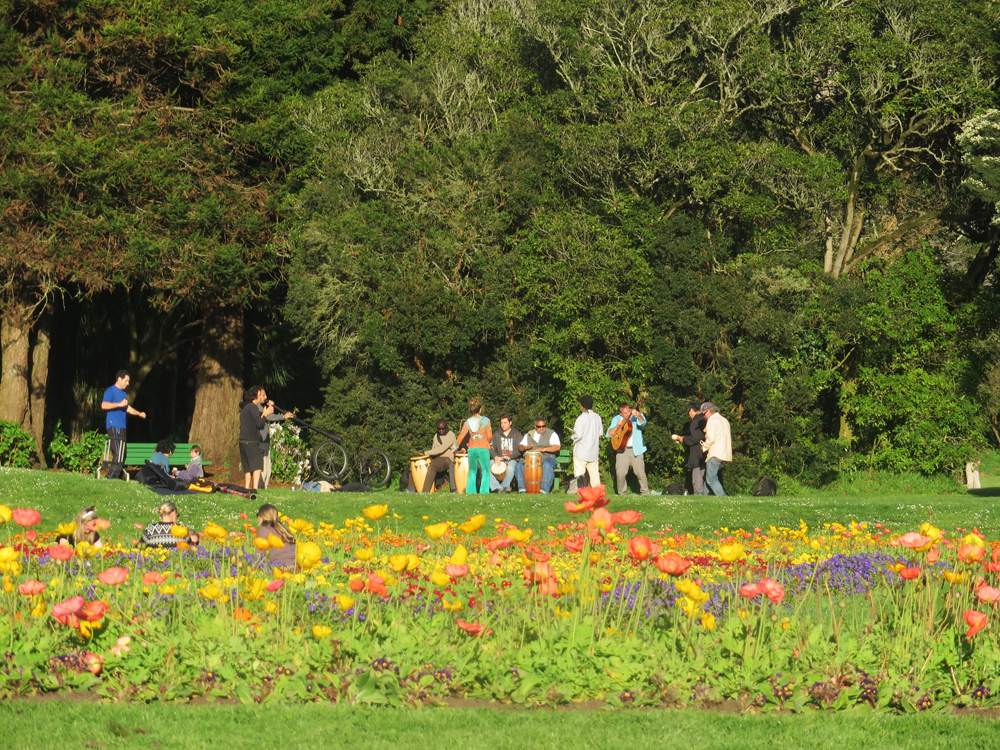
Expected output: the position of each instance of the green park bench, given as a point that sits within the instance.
(136, 455)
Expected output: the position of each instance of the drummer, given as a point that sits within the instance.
(547, 442)
(442, 455)
(504, 450)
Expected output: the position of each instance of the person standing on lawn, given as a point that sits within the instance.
(115, 406)
(586, 435)
(477, 427)
(253, 419)
(696, 456)
(718, 447)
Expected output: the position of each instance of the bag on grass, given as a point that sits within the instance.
(765, 487)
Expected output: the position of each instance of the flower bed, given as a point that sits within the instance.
(838, 617)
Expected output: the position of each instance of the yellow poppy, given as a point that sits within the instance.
(5, 514)
(308, 555)
(708, 620)
(365, 554)
(440, 578)
(519, 536)
(322, 631)
(731, 552)
(460, 556)
(345, 602)
(437, 530)
(473, 524)
(375, 512)
(398, 563)
(179, 532)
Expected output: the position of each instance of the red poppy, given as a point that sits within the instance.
(537, 573)
(502, 542)
(970, 553)
(639, 547)
(627, 517)
(356, 584)
(772, 590)
(93, 611)
(975, 620)
(376, 585)
(25, 516)
(61, 552)
(590, 498)
(750, 591)
(672, 564)
(575, 543)
(152, 578)
(909, 573)
(549, 587)
(113, 576)
(473, 628)
(988, 594)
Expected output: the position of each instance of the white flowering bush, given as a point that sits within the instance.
(289, 453)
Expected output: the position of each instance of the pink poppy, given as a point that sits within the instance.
(537, 573)
(913, 540)
(988, 594)
(549, 587)
(275, 585)
(25, 516)
(495, 558)
(152, 578)
(113, 576)
(933, 555)
(31, 587)
(456, 571)
(68, 607)
(971, 553)
(376, 585)
(499, 543)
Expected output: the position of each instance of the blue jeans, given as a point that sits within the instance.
(549, 465)
(496, 485)
(712, 468)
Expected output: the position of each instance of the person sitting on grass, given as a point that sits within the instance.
(194, 470)
(86, 523)
(160, 535)
(164, 449)
(271, 525)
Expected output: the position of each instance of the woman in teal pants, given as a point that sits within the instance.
(477, 427)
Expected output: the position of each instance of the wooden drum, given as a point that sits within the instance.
(418, 470)
(533, 472)
(461, 471)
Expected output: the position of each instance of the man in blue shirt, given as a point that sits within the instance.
(630, 455)
(116, 407)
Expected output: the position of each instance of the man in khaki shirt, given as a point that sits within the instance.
(718, 445)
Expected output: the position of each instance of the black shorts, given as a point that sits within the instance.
(250, 456)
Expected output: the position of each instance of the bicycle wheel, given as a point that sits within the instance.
(374, 468)
(330, 461)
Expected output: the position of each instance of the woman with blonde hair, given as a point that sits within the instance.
(477, 428)
(160, 534)
(86, 523)
(270, 525)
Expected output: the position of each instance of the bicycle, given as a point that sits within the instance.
(330, 460)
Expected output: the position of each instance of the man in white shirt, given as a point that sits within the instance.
(547, 442)
(718, 445)
(586, 435)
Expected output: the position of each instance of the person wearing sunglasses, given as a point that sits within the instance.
(442, 455)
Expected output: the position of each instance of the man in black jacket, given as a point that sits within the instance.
(696, 456)
(505, 451)
(252, 420)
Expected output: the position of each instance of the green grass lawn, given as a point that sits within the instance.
(27, 726)
(58, 496)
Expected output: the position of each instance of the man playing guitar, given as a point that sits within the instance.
(625, 432)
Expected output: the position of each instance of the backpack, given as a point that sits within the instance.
(674, 489)
(765, 487)
(404, 480)
(153, 475)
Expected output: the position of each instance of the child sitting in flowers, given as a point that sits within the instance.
(280, 544)
(165, 533)
(85, 527)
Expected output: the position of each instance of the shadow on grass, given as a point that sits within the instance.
(986, 492)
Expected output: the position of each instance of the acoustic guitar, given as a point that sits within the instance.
(621, 433)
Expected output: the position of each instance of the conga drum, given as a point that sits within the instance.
(533, 472)
(461, 471)
(418, 470)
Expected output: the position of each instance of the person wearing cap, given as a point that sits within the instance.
(696, 456)
(442, 455)
(547, 442)
(586, 435)
(632, 454)
(718, 445)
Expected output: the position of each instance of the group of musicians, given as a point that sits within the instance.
(528, 459)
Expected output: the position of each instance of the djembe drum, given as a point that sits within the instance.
(461, 471)
(418, 470)
(533, 472)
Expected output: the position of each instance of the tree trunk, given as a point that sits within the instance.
(216, 421)
(15, 349)
(40, 379)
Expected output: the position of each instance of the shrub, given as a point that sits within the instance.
(82, 456)
(289, 453)
(16, 446)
